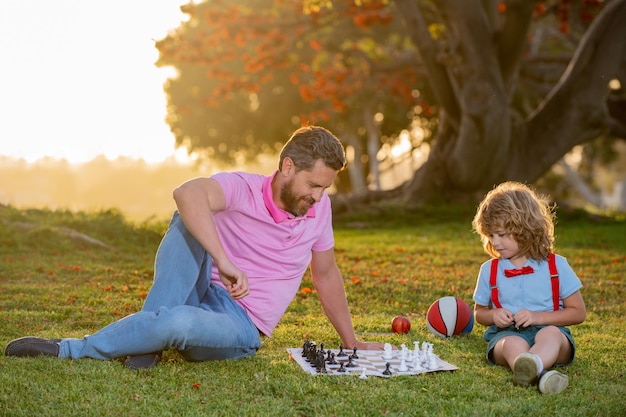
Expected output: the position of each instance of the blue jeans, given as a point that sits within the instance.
(183, 310)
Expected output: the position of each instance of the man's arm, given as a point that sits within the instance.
(330, 290)
(196, 200)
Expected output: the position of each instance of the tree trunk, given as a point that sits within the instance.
(481, 146)
(356, 172)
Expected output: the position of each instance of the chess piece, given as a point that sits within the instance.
(341, 367)
(432, 361)
(354, 355)
(403, 367)
(387, 353)
(341, 352)
(387, 370)
(322, 366)
(350, 363)
(363, 374)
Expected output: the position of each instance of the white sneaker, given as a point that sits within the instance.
(553, 382)
(526, 369)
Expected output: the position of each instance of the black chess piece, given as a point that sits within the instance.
(341, 352)
(350, 363)
(321, 364)
(341, 367)
(387, 371)
(332, 360)
(354, 355)
(321, 360)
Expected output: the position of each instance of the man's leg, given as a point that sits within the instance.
(182, 269)
(182, 275)
(219, 329)
(182, 272)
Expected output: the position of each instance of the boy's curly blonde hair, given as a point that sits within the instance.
(518, 210)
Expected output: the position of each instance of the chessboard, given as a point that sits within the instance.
(316, 360)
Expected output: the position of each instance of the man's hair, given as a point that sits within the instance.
(518, 210)
(310, 143)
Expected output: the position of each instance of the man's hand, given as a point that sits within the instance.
(367, 346)
(234, 279)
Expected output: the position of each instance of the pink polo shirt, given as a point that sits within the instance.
(270, 245)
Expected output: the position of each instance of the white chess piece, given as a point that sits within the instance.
(387, 353)
(363, 373)
(404, 351)
(417, 367)
(432, 363)
(403, 367)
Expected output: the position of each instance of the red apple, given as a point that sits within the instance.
(400, 324)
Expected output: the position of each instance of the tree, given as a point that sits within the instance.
(252, 71)
(471, 63)
(481, 139)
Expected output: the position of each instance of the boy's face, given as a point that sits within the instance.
(504, 243)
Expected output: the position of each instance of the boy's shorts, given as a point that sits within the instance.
(493, 334)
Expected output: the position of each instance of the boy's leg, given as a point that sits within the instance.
(552, 346)
(508, 348)
(512, 350)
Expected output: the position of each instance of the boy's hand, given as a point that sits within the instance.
(503, 317)
(525, 318)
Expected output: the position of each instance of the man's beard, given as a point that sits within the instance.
(294, 204)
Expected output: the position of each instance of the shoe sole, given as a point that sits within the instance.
(147, 361)
(553, 382)
(525, 370)
(29, 346)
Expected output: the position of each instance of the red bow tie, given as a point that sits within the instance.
(515, 272)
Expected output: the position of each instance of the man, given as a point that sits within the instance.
(230, 264)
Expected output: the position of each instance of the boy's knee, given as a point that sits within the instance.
(552, 330)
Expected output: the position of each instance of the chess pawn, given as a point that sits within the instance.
(387, 370)
(403, 367)
(417, 367)
(432, 362)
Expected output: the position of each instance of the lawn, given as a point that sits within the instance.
(66, 274)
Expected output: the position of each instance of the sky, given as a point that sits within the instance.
(77, 79)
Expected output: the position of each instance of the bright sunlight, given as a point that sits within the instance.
(78, 79)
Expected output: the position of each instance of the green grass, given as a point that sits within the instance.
(394, 261)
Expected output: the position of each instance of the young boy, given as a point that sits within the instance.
(525, 294)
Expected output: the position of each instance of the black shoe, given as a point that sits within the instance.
(147, 361)
(33, 346)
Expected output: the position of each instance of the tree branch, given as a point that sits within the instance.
(427, 48)
(512, 38)
(575, 111)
